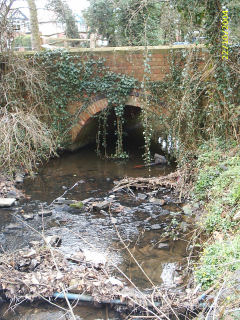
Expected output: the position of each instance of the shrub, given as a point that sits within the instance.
(218, 261)
(24, 140)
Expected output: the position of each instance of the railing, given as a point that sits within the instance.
(67, 43)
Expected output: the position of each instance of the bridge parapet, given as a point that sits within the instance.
(130, 60)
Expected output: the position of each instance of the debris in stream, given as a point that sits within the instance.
(45, 272)
(153, 183)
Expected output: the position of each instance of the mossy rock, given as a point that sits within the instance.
(78, 205)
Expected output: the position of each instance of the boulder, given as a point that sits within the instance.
(95, 259)
(158, 159)
(7, 202)
(114, 282)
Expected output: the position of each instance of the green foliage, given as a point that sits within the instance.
(125, 22)
(205, 181)
(199, 104)
(218, 261)
(70, 79)
(65, 15)
(23, 41)
(218, 184)
(101, 18)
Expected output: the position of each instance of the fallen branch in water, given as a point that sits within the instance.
(154, 183)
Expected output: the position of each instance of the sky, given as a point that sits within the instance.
(75, 5)
(78, 5)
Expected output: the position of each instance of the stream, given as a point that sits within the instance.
(139, 219)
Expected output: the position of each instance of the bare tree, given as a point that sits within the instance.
(36, 44)
(6, 28)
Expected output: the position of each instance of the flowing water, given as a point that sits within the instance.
(140, 223)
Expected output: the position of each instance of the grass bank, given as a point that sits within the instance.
(217, 191)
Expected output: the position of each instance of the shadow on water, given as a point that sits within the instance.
(96, 178)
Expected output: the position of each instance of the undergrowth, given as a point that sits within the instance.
(25, 137)
(217, 187)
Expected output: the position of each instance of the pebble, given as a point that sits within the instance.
(53, 241)
(142, 196)
(156, 227)
(12, 194)
(87, 200)
(104, 212)
(28, 217)
(13, 226)
(100, 205)
(45, 213)
(160, 202)
(63, 201)
(19, 178)
(114, 220)
(163, 246)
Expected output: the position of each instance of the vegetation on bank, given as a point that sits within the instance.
(26, 137)
(217, 189)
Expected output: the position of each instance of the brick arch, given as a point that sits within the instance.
(96, 106)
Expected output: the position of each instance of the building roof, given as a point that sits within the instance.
(17, 14)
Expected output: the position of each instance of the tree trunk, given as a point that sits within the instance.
(36, 44)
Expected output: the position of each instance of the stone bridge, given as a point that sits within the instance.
(124, 60)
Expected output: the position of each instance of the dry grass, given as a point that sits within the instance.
(24, 141)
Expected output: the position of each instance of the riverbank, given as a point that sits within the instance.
(211, 261)
(215, 201)
(10, 188)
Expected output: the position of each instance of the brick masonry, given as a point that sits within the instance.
(126, 60)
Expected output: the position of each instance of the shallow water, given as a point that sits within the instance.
(93, 231)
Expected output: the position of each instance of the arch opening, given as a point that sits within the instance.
(133, 139)
(132, 127)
